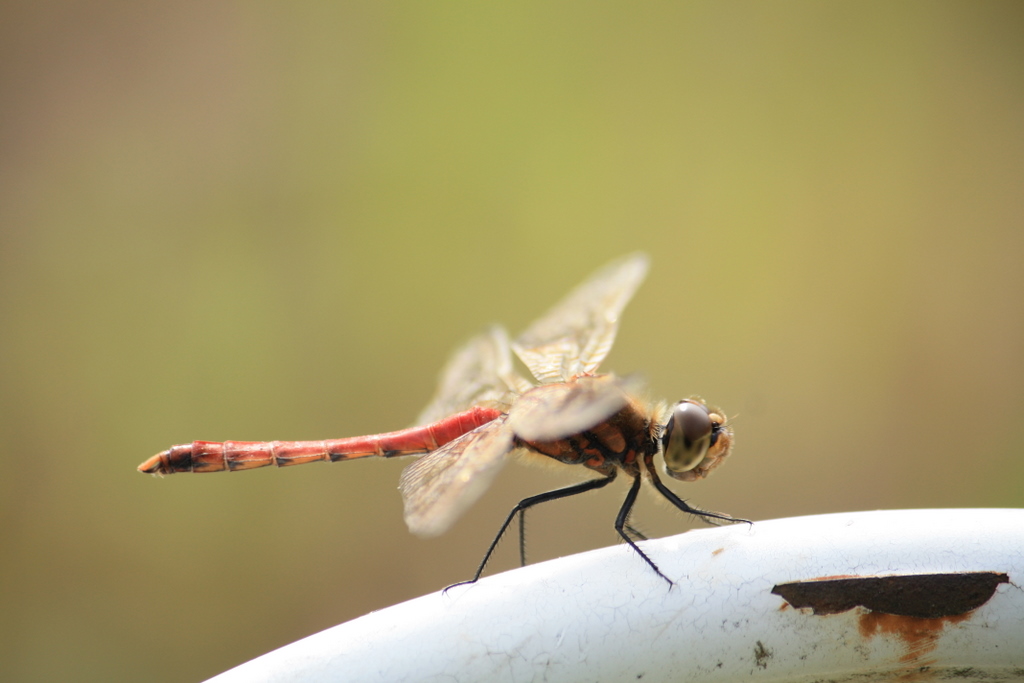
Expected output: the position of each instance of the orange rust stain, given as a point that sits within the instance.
(920, 636)
(717, 551)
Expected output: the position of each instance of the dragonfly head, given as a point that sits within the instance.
(695, 440)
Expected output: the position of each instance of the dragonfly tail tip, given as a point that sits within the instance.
(156, 465)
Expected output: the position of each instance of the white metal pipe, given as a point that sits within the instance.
(605, 616)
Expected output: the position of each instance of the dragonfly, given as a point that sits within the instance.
(485, 411)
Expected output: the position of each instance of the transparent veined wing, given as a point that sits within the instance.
(555, 411)
(479, 372)
(575, 336)
(439, 487)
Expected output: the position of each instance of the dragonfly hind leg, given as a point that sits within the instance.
(524, 505)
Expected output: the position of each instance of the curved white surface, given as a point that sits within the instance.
(605, 616)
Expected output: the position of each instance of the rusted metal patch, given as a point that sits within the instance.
(924, 596)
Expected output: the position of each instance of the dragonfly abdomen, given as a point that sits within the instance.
(212, 456)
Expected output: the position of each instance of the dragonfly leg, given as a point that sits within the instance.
(706, 516)
(621, 526)
(522, 538)
(523, 506)
(636, 534)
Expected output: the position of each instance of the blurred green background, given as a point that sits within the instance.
(256, 221)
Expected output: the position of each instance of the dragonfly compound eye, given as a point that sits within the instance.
(688, 436)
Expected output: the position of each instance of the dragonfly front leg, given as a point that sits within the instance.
(706, 516)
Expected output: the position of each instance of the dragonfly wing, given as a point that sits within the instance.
(439, 487)
(478, 372)
(576, 335)
(555, 411)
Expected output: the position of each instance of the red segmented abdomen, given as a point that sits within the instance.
(211, 456)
